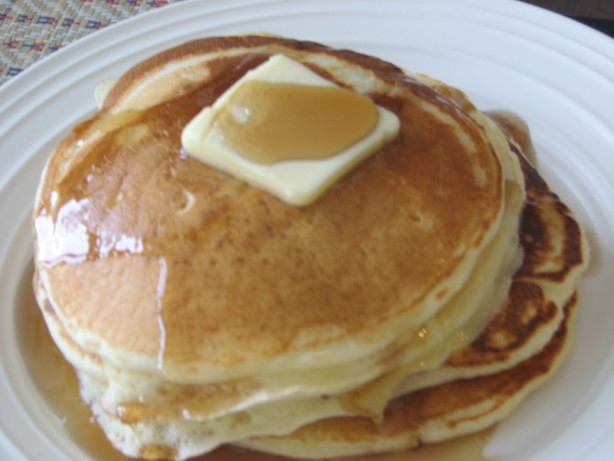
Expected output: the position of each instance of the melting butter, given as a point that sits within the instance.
(289, 131)
(270, 122)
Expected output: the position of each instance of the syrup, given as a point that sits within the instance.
(271, 122)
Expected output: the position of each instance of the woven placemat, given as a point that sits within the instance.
(33, 29)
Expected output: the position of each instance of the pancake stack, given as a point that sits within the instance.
(420, 298)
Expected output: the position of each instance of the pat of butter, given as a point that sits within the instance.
(295, 181)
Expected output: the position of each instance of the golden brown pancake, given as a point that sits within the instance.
(200, 310)
(193, 272)
(116, 194)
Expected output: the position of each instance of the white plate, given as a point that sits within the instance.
(556, 74)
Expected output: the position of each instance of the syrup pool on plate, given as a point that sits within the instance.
(57, 384)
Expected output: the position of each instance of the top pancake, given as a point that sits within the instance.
(151, 257)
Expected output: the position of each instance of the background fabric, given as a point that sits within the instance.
(33, 29)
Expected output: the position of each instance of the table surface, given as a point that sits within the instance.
(33, 29)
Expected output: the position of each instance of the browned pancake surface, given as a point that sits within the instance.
(183, 260)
